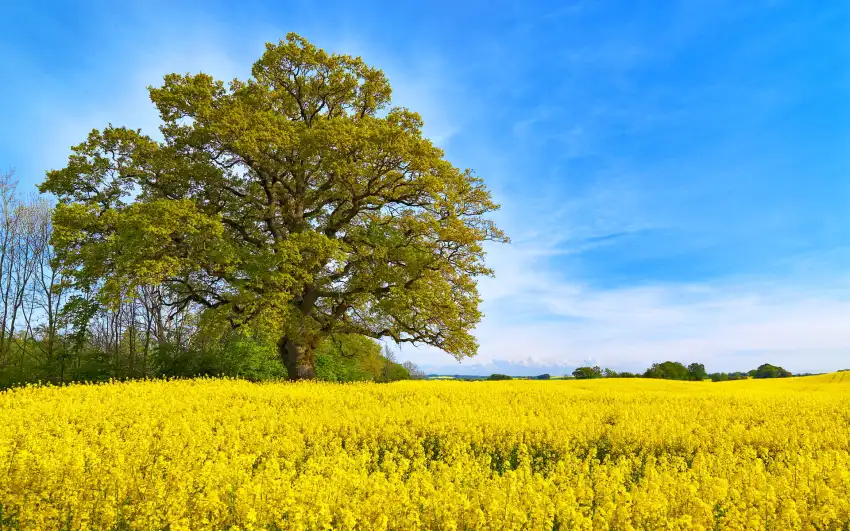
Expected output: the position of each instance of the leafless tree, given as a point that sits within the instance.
(415, 372)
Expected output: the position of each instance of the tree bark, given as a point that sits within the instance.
(299, 357)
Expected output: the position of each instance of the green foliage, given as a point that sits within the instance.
(298, 199)
(70, 362)
(586, 373)
(497, 377)
(696, 372)
(543, 377)
(348, 358)
(391, 370)
(763, 371)
(669, 370)
(725, 377)
(341, 358)
(394, 372)
(236, 356)
(771, 371)
(611, 373)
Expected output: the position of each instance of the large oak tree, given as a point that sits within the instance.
(298, 198)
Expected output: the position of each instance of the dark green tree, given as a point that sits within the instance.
(696, 372)
(669, 370)
(586, 373)
(770, 371)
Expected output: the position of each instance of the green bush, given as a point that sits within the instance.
(237, 356)
(587, 373)
(669, 370)
(770, 371)
(348, 358)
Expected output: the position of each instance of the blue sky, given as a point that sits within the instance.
(675, 175)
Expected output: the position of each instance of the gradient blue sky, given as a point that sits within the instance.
(675, 175)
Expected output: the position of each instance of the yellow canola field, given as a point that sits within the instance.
(604, 454)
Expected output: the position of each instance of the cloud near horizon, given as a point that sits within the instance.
(537, 321)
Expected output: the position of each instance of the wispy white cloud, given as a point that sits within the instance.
(536, 318)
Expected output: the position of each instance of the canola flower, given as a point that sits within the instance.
(604, 454)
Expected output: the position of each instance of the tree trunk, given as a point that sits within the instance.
(299, 357)
(297, 350)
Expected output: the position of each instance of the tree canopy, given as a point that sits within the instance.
(771, 371)
(586, 373)
(696, 371)
(668, 370)
(298, 200)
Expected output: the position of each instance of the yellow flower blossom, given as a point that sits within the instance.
(594, 455)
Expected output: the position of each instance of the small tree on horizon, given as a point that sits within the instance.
(586, 373)
(770, 371)
(668, 370)
(696, 371)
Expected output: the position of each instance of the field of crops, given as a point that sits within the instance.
(602, 454)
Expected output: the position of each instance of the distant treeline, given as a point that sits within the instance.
(668, 370)
(673, 370)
